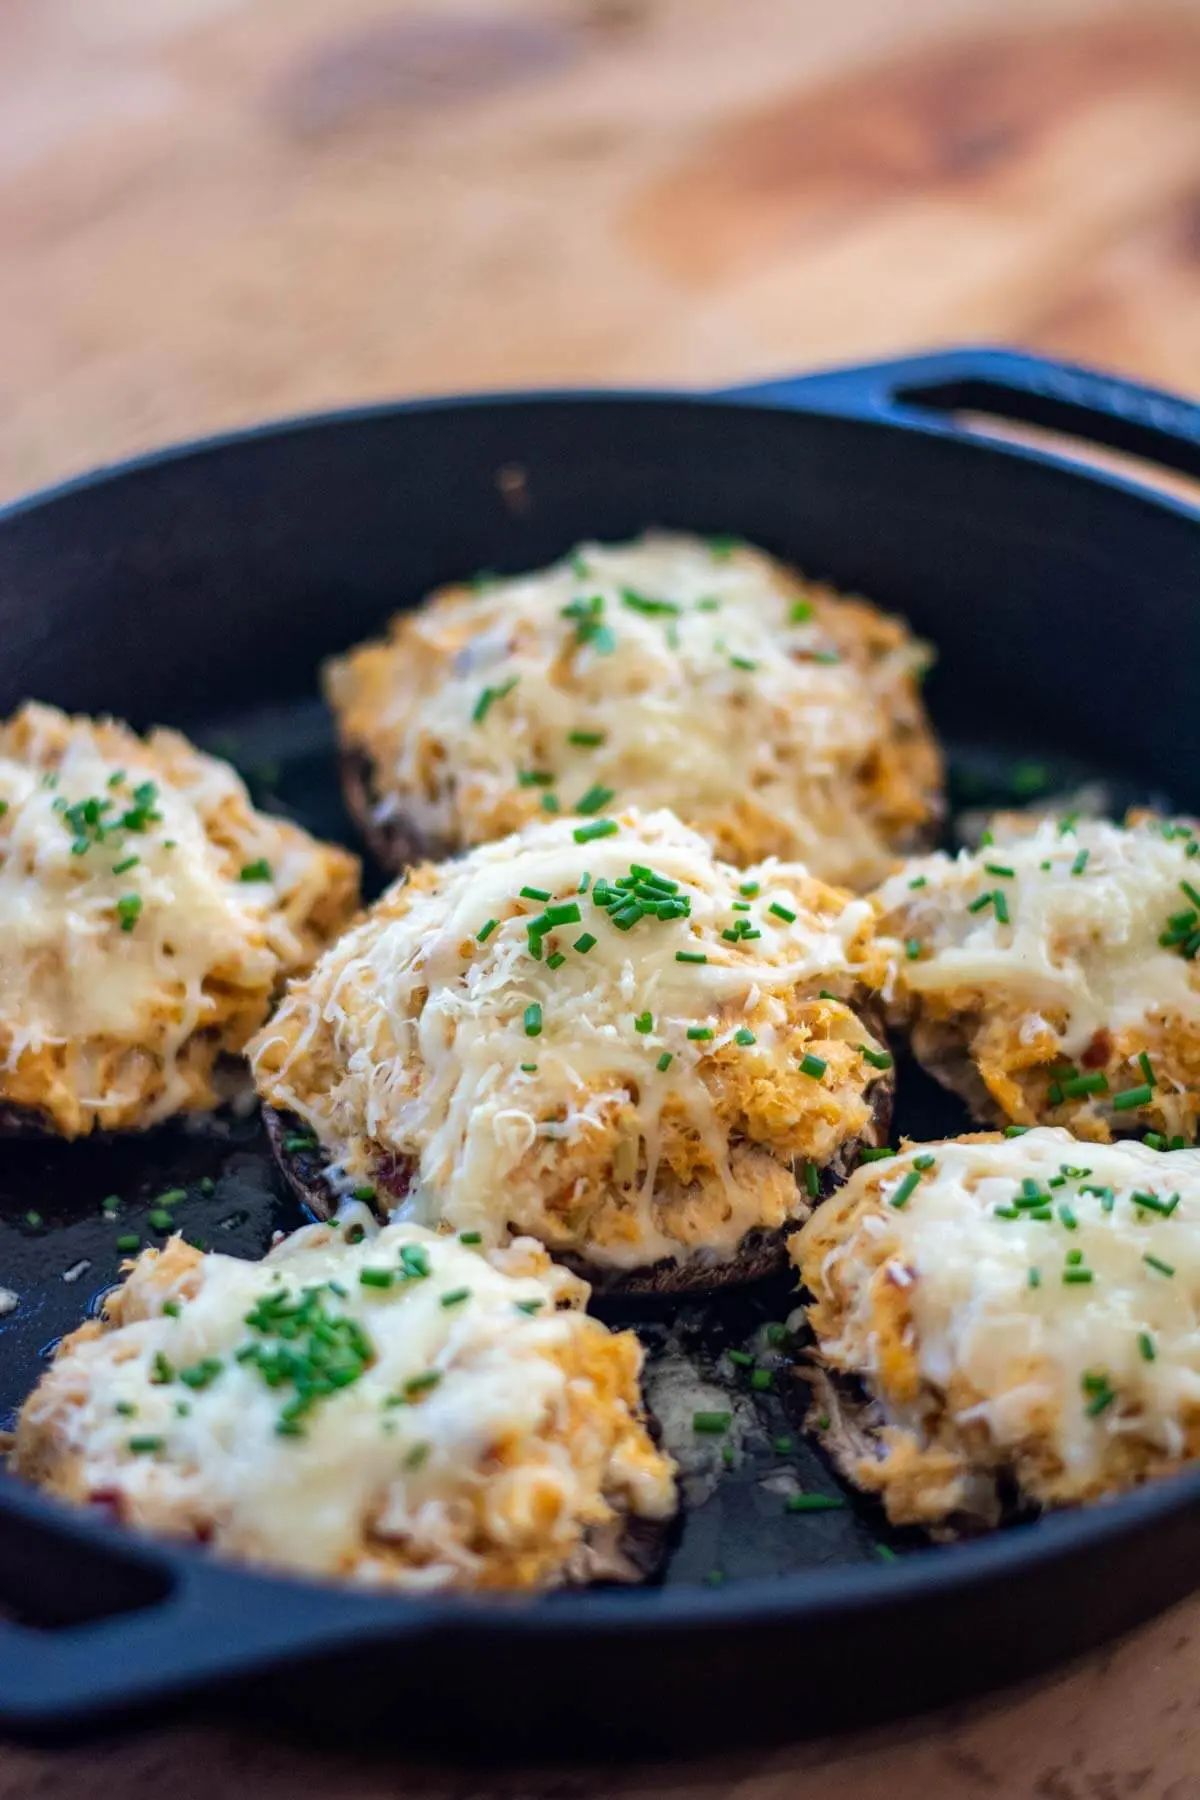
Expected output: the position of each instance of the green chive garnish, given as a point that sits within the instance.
(488, 698)
(711, 1424)
(878, 1059)
(1146, 1346)
(599, 828)
(690, 956)
(485, 932)
(533, 1020)
(1138, 1096)
(903, 1192)
(813, 1065)
(595, 800)
(1155, 1262)
(255, 871)
(644, 1023)
(145, 1446)
(376, 1278)
(455, 1296)
(129, 908)
(587, 740)
(664, 1062)
(699, 1033)
(1080, 863)
(584, 944)
(743, 1037)
(811, 1503)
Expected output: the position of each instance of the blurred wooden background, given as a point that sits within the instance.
(216, 210)
(213, 210)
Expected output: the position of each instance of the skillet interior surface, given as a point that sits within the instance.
(201, 591)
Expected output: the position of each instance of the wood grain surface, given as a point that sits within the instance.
(216, 210)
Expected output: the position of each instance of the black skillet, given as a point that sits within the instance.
(200, 587)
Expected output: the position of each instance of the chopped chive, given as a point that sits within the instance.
(584, 944)
(711, 1424)
(556, 961)
(532, 893)
(761, 1381)
(748, 889)
(1077, 1277)
(535, 778)
(812, 1180)
(123, 868)
(783, 1446)
(983, 900)
(1035, 1278)
(530, 1306)
(1015, 1130)
(587, 740)
(172, 1308)
(1192, 893)
(782, 912)
(254, 871)
(878, 1059)
(644, 1023)
(1074, 1258)
(1146, 1346)
(813, 1065)
(550, 803)
(1145, 1066)
(924, 1162)
(160, 1220)
(1155, 1262)
(641, 603)
(811, 1503)
(919, 881)
(365, 1193)
(129, 1241)
(741, 1359)
(486, 931)
(901, 1194)
(595, 800)
(871, 1153)
(421, 1384)
(489, 696)
(1068, 1217)
(743, 1036)
(1000, 906)
(998, 869)
(470, 1237)
(1137, 1096)
(743, 662)
(144, 1446)
(690, 956)
(801, 612)
(455, 1297)
(376, 1278)
(533, 1020)
(129, 908)
(699, 1033)
(912, 949)
(664, 1062)
(1079, 1085)
(599, 828)
(1080, 863)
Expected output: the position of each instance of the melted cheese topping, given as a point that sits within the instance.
(487, 1440)
(1065, 979)
(774, 716)
(1079, 1378)
(134, 944)
(595, 1094)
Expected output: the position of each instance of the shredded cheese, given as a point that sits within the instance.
(482, 1438)
(774, 716)
(630, 1094)
(1027, 1307)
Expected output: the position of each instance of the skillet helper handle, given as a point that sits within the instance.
(196, 1625)
(929, 391)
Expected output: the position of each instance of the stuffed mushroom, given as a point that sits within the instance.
(777, 717)
(1051, 976)
(1008, 1322)
(385, 1406)
(148, 917)
(593, 1033)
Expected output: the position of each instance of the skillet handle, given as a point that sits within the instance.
(166, 1622)
(927, 391)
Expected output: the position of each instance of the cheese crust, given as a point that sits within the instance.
(633, 1084)
(1019, 1311)
(148, 916)
(470, 1428)
(1050, 977)
(775, 716)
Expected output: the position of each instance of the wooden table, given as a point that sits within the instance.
(215, 210)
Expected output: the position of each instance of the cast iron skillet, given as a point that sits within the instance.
(200, 587)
